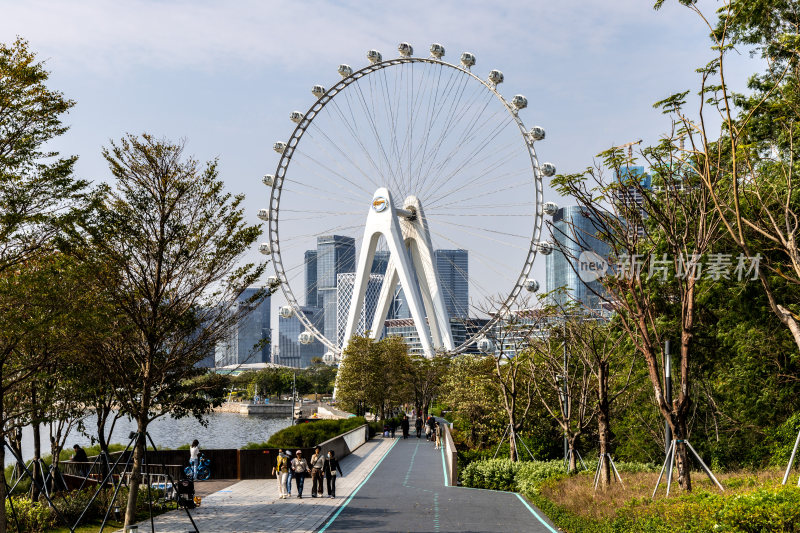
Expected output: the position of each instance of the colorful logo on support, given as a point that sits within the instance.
(379, 204)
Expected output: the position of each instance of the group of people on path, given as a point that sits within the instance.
(391, 426)
(433, 430)
(320, 466)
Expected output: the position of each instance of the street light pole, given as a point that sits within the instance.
(294, 393)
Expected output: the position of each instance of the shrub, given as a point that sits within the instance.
(503, 474)
(308, 435)
(32, 516)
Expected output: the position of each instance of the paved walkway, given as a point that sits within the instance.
(254, 506)
(407, 493)
(389, 485)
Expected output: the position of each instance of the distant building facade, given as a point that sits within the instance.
(249, 340)
(291, 351)
(344, 290)
(336, 254)
(576, 255)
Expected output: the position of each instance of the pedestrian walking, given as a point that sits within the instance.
(437, 432)
(330, 467)
(404, 426)
(418, 426)
(317, 463)
(392, 427)
(290, 474)
(299, 469)
(281, 472)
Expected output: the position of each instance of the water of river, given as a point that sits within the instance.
(225, 430)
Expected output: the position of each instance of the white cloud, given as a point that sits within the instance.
(115, 37)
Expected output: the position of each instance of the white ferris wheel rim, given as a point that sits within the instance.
(292, 143)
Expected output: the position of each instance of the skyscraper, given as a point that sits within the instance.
(452, 268)
(248, 341)
(344, 291)
(577, 261)
(336, 255)
(291, 352)
(311, 278)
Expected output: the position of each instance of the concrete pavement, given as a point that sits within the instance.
(389, 485)
(407, 492)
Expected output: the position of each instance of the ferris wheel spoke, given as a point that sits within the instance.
(492, 231)
(423, 148)
(452, 118)
(338, 174)
(466, 192)
(489, 262)
(475, 153)
(450, 90)
(438, 171)
(352, 130)
(310, 191)
(492, 162)
(344, 154)
(389, 98)
(372, 119)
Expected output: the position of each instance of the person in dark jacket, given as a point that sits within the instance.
(330, 467)
(418, 426)
(81, 458)
(404, 426)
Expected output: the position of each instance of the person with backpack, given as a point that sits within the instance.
(281, 472)
(330, 467)
(299, 469)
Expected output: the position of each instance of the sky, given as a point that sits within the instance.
(224, 76)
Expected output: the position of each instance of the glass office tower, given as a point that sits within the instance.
(574, 233)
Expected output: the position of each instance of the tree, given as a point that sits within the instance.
(469, 388)
(175, 237)
(425, 376)
(750, 166)
(38, 195)
(656, 247)
(599, 345)
(371, 374)
(562, 381)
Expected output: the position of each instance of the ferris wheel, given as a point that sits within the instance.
(422, 183)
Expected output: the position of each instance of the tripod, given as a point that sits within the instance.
(791, 462)
(671, 460)
(516, 445)
(600, 461)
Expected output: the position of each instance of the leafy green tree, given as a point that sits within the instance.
(176, 238)
(372, 374)
(471, 391)
(425, 377)
(38, 196)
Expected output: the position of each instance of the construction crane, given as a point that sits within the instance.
(629, 146)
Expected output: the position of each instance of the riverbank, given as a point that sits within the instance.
(224, 430)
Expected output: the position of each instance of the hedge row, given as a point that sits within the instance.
(308, 435)
(765, 509)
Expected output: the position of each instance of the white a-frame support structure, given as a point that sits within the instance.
(410, 261)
